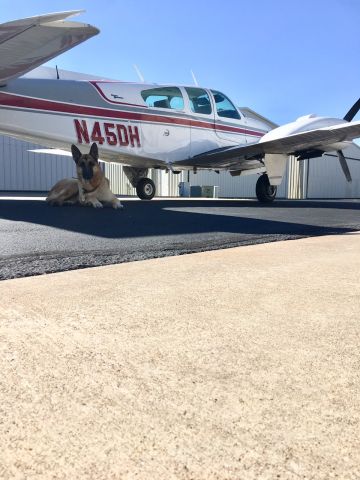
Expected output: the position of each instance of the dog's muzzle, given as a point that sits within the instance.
(87, 173)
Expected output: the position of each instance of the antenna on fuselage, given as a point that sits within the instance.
(139, 74)
(194, 78)
(57, 73)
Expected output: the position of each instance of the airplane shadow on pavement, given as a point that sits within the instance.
(36, 238)
(171, 217)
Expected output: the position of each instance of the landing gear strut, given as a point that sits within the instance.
(265, 192)
(145, 187)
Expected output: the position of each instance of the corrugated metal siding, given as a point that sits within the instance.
(119, 183)
(326, 179)
(232, 187)
(173, 181)
(167, 184)
(27, 171)
(297, 173)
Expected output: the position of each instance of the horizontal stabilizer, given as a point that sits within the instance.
(29, 42)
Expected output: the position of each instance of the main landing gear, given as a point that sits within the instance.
(265, 192)
(145, 187)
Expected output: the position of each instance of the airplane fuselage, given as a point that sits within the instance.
(132, 123)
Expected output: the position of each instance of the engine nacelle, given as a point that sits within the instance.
(302, 124)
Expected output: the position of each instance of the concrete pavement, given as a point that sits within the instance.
(231, 364)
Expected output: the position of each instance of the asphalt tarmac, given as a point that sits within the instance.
(36, 238)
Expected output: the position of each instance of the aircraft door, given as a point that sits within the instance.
(203, 136)
(230, 126)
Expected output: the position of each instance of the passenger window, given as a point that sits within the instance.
(224, 107)
(199, 100)
(164, 97)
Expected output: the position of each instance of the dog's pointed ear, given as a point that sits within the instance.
(75, 153)
(94, 152)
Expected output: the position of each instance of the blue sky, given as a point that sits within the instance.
(281, 58)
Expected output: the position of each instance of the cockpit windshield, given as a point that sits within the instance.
(224, 107)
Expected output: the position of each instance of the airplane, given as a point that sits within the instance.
(144, 125)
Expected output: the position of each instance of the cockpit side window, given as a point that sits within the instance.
(199, 100)
(164, 97)
(224, 107)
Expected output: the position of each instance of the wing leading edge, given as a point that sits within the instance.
(249, 156)
(27, 43)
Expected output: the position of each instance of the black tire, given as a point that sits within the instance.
(264, 191)
(145, 189)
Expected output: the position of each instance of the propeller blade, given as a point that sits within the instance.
(344, 166)
(353, 111)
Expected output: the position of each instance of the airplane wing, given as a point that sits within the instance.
(249, 156)
(30, 42)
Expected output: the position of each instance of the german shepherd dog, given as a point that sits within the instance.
(91, 186)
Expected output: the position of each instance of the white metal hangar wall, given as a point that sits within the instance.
(232, 187)
(21, 170)
(332, 184)
(323, 177)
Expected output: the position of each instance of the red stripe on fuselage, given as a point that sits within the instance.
(18, 101)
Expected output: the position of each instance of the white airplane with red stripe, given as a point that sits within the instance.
(142, 126)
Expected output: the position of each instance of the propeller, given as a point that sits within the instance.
(343, 163)
(353, 111)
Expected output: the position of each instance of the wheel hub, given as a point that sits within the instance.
(271, 190)
(148, 189)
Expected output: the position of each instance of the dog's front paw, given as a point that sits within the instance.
(97, 204)
(117, 205)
